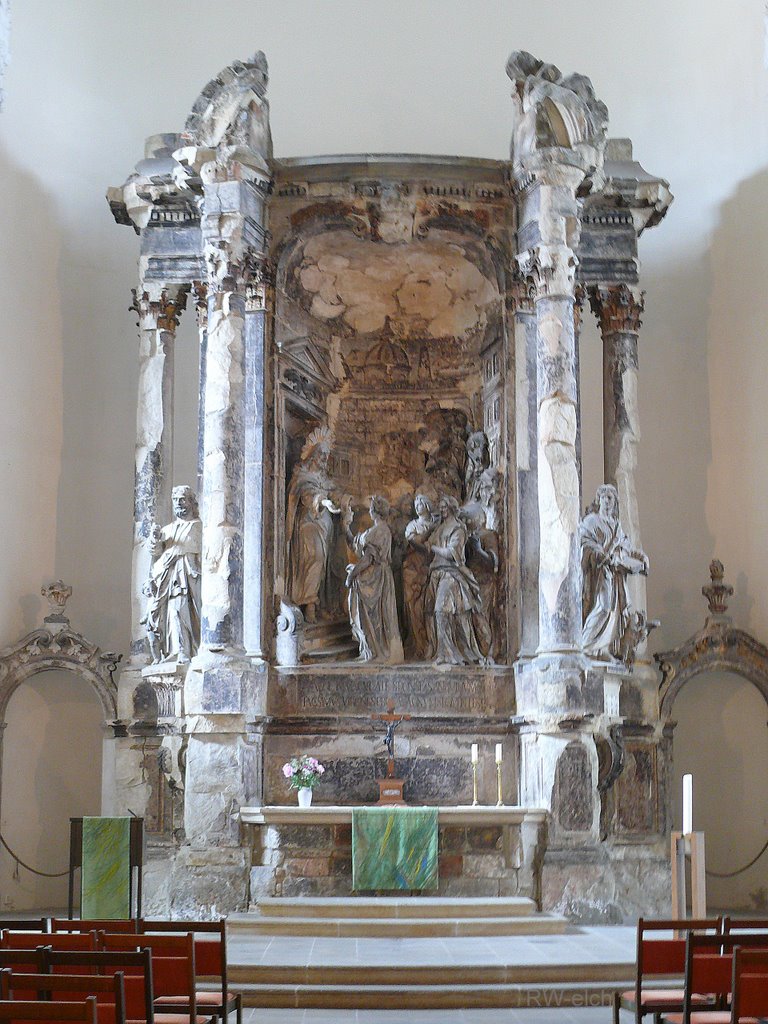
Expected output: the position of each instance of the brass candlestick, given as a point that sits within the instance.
(474, 784)
(499, 802)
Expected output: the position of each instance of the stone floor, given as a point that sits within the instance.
(579, 945)
(599, 1015)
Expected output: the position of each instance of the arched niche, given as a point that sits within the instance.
(55, 646)
(718, 647)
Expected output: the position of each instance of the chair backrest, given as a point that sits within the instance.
(109, 990)
(749, 983)
(28, 940)
(745, 924)
(30, 960)
(136, 967)
(709, 964)
(173, 961)
(65, 924)
(18, 1012)
(667, 955)
(210, 943)
(26, 924)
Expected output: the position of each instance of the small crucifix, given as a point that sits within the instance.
(392, 721)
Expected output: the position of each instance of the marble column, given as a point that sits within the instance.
(200, 290)
(159, 309)
(619, 308)
(549, 200)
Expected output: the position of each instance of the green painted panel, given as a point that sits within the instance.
(394, 848)
(106, 871)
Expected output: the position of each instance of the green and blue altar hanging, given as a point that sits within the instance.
(394, 848)
(106, 872)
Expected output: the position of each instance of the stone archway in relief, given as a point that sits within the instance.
(718, 647)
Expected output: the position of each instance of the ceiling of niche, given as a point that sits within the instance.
(427, 288)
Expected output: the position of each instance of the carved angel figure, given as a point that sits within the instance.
(173, 609)
(607, 558)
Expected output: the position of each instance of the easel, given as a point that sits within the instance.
(685, 846)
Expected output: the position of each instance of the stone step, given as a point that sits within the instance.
(390, 907)
(413, 927)
(382, 975)
(440, 996)
(337, 652)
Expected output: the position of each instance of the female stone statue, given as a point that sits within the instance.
(452, 606)
(372, 605)
(415, 573)
(477, 463)
(173, 589)
(312, 531)
(607, 558)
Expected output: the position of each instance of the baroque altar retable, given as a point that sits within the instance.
(390, 506)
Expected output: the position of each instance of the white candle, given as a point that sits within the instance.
(687, 805)
(498, 753)
(474, 753)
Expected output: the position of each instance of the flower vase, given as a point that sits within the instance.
(305, 796)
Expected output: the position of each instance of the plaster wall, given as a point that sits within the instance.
(87, 82)
(47, 778)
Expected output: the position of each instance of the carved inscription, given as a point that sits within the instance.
(462, 695)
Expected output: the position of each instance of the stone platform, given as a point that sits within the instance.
(581, 967)
(395, 917)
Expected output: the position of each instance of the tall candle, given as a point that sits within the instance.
(474, 753)
(687, 805)
(498, 753)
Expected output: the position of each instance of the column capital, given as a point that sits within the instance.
(159, 308)
(618, 307)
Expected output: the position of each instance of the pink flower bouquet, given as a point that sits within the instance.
(303, 772)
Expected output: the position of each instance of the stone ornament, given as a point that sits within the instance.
(57, 594)
(173, 589)
(372, 604)
(607, 558)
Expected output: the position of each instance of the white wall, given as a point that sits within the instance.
(88, 81)
(48, 777)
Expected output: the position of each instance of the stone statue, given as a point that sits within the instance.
(456, 631)
(372, 605)
(483, 554)
(477, 463)
(607, 558)
(173, 589)
(491, 482)
(400, 516)
(314, 575)
(415, 574)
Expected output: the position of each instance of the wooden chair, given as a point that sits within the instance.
(749, 985)
(109, 991)
(736, 925)
(660, 958)
(12, 1010)
(173, 972)
(66, 924)
(135, 966)
(709, 967)
(210, 963)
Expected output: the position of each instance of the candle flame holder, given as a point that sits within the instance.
(499, 801)
(474, 784)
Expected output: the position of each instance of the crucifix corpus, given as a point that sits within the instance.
(390, 788)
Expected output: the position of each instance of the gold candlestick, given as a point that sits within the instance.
(499, 802)
(474, 784)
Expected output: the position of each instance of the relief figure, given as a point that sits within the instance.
(173, 589)
(415, 576)
(607, 558)
(478, 460)
(483, 553)
(372, 605)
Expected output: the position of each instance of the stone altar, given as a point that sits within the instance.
(394, 326)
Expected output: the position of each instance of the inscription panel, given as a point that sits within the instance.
(462, 691)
